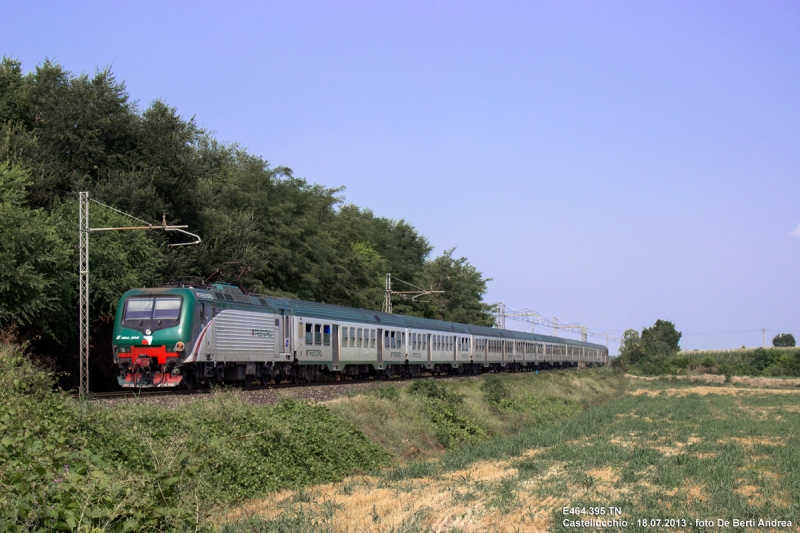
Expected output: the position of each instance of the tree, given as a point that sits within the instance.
(661, 339)
(36, 271)
(784, 340)
(463, 286)
(647, 351)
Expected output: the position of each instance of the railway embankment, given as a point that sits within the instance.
(136, 465)
(667, 455)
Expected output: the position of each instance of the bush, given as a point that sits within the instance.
(708, 362)
(679, 362)
(497, 395)
(389, 392)
(761, 359)
(443, 408)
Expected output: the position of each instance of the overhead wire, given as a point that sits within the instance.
(122, 212)
(547, 323)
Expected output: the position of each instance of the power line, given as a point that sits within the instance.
(737, 332)
(534, 318)
(121, 212)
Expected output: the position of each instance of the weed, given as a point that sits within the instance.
(389, 392)
(503, 495)
(497, 394)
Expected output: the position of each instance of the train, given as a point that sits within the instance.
(188, 336)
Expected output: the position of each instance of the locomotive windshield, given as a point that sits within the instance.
(160, 308)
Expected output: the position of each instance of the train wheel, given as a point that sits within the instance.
(248, 380)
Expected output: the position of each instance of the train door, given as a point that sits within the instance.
(335, 346)
(428, 348)
(380, 348)
(286, 345)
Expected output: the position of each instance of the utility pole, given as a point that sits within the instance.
(501, 316)
(555, 326)
(83, 282)
(387, 298)
(83, 291)
(764, 336)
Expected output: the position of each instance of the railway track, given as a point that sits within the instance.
(150, 393)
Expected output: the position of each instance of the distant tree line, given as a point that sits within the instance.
(61, 133)
(656, 352)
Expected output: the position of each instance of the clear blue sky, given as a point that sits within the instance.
(609, 163)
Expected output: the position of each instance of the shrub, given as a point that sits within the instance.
(761, 359)
(389, 392)
(443, 408)
(679, 361)
(708, 362)
(497, 395)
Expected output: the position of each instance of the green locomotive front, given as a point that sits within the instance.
(152, 331)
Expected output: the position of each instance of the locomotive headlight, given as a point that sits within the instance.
(179, 347)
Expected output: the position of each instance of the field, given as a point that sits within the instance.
(666, 450)
(503, 452)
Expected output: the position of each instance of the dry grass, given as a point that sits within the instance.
(703, 391)
(460, 499)
(660, 451)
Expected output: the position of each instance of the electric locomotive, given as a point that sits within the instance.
(186, 335)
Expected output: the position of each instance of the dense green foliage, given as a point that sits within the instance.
(140, 467)
(742, 362)
(656, 352)
(443, 409)
(784, 340)
(61, 133)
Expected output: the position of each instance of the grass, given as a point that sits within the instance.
(423, 420)
(663, 451)
(67, 464)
